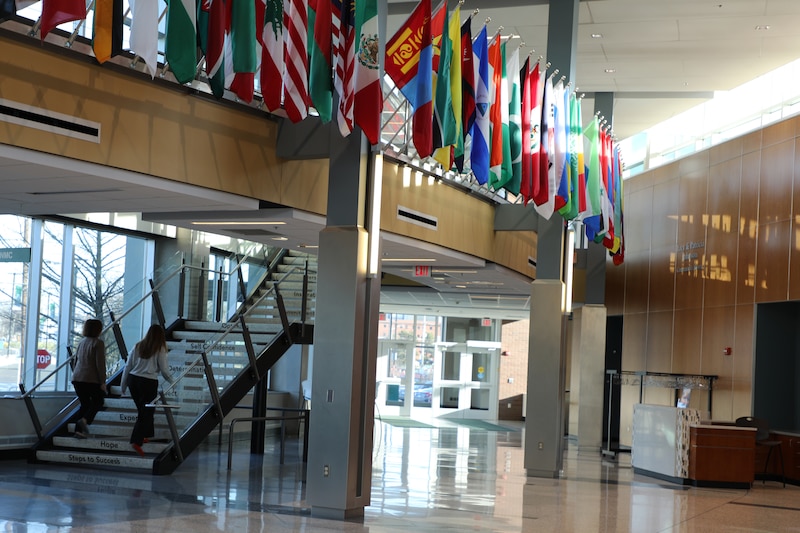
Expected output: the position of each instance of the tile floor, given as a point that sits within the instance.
(436, 479)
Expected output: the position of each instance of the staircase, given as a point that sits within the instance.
(214, 362)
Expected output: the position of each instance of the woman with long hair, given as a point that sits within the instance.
(147, 359)
(89, 375)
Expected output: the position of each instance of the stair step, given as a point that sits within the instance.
(106, 444)
(96, 459)
(101, 430)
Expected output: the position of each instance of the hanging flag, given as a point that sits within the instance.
(272, 66)
(503, 173)
(577, 123)
(591, 220)
(243, 48)
(368, 106)
(495, 113)
(468, 68)
(560, 132)
(514, 124)
(444, 120)
(573, 207)
(295, 37)
(107, 34)
(144, 33)
(56, 12)
(320, 80)
(211, 24)
(181, 39)
(448, 93)
(526, 185)
(544, 192)
(535, 134)
(481, 129)
(409, 57)
(345, 64)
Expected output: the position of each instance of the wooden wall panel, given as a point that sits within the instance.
(659, 341)
(725, 151)
(665, 214)
(722, 233)
(751, 142)
(748, 229)
(640, 208)
(615, 288)
(772, 262)
(777, 176)
(634, 342)
(637, 275)
(794, 251)
(662, 279)
(718, 333)
(686, 344)
(779, 132)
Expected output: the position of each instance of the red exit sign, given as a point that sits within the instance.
(422, 271)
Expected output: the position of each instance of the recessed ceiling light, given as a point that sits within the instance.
(762, 27)
(461, 286)
(280, 238)
(597, 36)
(418, 260)
(610, 70)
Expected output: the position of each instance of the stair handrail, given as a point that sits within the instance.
(207, 348)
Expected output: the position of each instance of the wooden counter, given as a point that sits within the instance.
(722, 456)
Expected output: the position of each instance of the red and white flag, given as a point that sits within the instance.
(369, 97)
(344, 59)
(295, 81)
(272, 66)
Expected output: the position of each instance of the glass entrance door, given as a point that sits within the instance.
(467, 385)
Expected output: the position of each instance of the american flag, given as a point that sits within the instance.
(344, 58)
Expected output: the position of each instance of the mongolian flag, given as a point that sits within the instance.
(409, 60)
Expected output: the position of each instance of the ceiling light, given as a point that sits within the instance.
(307, 246)
(610, 70)
(418, 260)
(461, 286)
(239, 223)
(762, 27)
(280, 238)
(597, 36)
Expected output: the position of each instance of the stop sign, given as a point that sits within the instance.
(43, 359)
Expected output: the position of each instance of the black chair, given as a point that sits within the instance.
(762, 439)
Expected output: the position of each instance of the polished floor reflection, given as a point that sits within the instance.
(454, 477)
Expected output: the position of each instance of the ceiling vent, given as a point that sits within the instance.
(415, 217)
(50, 121)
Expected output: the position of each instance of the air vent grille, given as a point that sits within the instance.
(45, 120)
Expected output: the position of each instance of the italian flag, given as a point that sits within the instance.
(369, 97)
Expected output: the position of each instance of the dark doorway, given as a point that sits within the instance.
(612, 388)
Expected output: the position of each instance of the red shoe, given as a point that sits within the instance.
(138, 449)
(145, 440)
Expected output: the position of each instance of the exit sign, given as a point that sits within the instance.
(486, 322)
(422, 271)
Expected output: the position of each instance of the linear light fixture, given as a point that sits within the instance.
(412, 260)
(373, 267)
(239, 223)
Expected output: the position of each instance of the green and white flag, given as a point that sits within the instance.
(181, 42)
(514, 123)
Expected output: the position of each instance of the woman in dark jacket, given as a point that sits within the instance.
(89, 375)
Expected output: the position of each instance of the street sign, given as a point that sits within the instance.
(43, 359)
(15, 255)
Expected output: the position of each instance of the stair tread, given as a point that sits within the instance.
(106, 444)
(94, 459)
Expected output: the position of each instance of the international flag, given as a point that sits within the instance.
(107, 36)
(467, 90)
(243, 48)
(503, 173)
(211, 26)
(345, 64)
(56, 12)
(181, 39)
(591, 220)
(368, 106)
(444, 118)
(495, 113)
(409, 62)
(295, 38)
(144, 33)
(534, 136)
(272, 66)
(526, 185)
(320, 79)
(544, 192)
(577, 189)
(514, 123)
(561, 138)
(481, 130)
(577, 125)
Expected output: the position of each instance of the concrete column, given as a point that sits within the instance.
(345, 344)
(545, 409)
(590, 361)
(544, 417)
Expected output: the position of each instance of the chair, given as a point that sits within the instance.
(762, 439)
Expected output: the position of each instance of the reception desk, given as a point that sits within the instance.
(672, 444)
